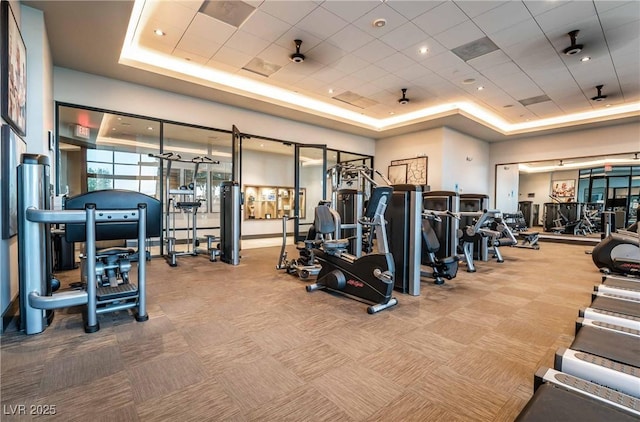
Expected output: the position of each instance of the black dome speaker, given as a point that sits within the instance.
(599, 97)
(297, 57)
(404, 100)
(573, 48)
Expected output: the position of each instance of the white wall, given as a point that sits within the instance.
(465, 163)
(39, 122)
(425, 143)
(95, 91)
(506, 198)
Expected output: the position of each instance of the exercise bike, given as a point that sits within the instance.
(369, 278)
(618, 253)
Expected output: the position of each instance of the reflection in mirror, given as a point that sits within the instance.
(573, 192)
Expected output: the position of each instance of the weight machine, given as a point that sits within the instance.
(183, 200)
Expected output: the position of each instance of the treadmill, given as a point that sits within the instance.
(562, 397)
(604, 356)
(619, 287)
(614, 309)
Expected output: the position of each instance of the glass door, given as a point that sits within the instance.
(310, 185)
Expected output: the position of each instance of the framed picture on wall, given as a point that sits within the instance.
(12, 148)
(563, 188)
(416, 169)
(398, 174)
(14, 71)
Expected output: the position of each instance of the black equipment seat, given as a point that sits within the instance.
(115, 251)
(377, 194)
(114, 199)
(433, 244)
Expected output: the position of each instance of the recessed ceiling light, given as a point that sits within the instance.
(480, 88)
(423, 50)
(392, 113)
(585, 59)
(379, 23)
(149, 128)
(330, 90)
(159, 32)
(119, 118)
(113, 128)
(469, 81)
(608, 105)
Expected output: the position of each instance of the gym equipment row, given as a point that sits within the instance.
(184, 201)
(598, 376)
(91, 217)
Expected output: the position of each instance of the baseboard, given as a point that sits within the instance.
(11, 314)
(264, 236)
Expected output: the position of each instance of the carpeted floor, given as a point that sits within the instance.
(248, 343)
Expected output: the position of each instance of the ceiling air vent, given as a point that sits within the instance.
(475, 49)
(534, 100)
(233, 13)
(259, 66)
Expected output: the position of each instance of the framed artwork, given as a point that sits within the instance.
(14, 72)
(416, 169)
(563, 188)
(398, 174)
(12, 148)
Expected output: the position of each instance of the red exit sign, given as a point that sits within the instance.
(82, 132)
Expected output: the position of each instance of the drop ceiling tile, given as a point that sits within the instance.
(440, 18)
(198, 46)
(374, 51)
(349, 64)
(350, 38)
(265, 26)
(218, 65)
(565, 15)
(208, 28)
(368, 89)
(495, 73)
(489, 60)
(276, 55)
(288, 12)
(395, 62)
(246, 43)
(537, 7)
(502, 17)
(475, 8)
(603, 6)
(328, 75)
(350, 10)
(523, 32)
(412, 9)
(412, 72)
(232, 57)
(326, 53)
(394, 20)
(433, 49)
(404, 36)
(369, 73)
(190, 56)
(321, 23)
(390, 83)
(169, 13)
(295, 33)
(191, 4)
(459, 35)
(613, 18)
(287, 75)
(442, 61)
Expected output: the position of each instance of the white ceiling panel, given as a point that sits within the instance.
(411, 9)
(246, 43)
(190, 56)
(232, 57)
(615, 18)
(502, 17)
(565, 15)
(478, 7)
(382, 11)
(459, 35)
(265, 26)
(350, 10)
(308, 41)
(321, 23)
(489, 60)
(403, 36)
(173, 14)
(375, 51)
(350, 38)
(395, 63)
(288, 12)
(326, 53)
(440, 18)
(369, 73)
(276, 55)
(328, 74)
(538, 7)
(524, 32)
(433, 49)
(349, 64)
(411, 72)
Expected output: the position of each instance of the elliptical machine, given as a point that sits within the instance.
(618, 253)
(369, 278)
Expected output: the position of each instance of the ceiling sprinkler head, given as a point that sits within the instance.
(404, 100)
(599, 97)
(573, 48)
(297, 57)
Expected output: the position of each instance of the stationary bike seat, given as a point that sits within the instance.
(335, 244)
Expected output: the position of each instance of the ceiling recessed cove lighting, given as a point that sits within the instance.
(159, 32)
(379, 23)
(423, 50)
(469, 81)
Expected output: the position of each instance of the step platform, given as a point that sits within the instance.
(122, 291)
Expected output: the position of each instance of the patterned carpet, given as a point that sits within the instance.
(248, 343)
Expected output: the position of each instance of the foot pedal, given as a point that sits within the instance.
(119, 292)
